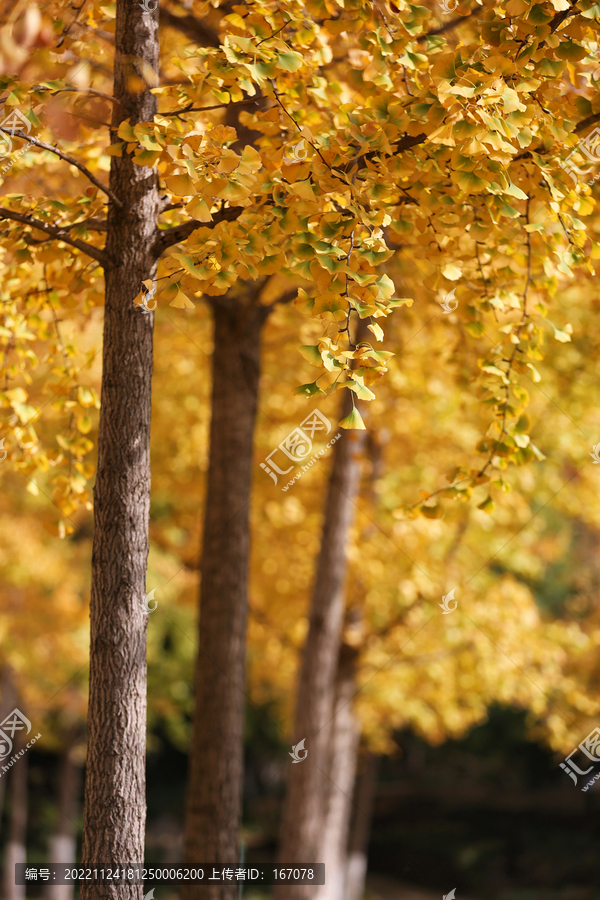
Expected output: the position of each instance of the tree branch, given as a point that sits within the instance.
(585, 123)
(105, 35)
(192, 108)
(560, 17)
(191, 27)
(69, 159)
(59, 234)
(581, 126)
(405, 143)
(77, 90)
(448, 26)
(92, 224)
(288, 297)
(167, 206)
(169, 236)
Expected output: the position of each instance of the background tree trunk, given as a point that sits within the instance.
(343, 748)
(8, 701)
(17, 832)
(356, 869)
(62, 844)
(216, 754)
(115, 804)
(304, 809)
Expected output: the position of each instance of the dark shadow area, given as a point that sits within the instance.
(492, 815)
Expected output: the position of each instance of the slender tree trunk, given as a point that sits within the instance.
(62, 844)
(343, 748)
(304, 809)
(216, 754)
(115, 804)
(356, 870)
(15, 846)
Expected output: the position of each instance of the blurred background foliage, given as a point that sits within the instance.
(468, 715)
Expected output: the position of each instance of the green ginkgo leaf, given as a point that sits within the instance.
(469, 182)
(308, 390)
(487, 505)
(311, 354)
(354, 420)
(571, 51)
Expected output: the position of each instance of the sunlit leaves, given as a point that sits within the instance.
(353, 420)
(375, 139)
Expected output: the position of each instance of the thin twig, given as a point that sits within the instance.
(77, 90)
(511, 361)
(285, 24)
(315, 148)
(91, 224)
(506, 387)
(448, 25)
(192, 108)
(404, 143)
(385, 21)
(56, 322)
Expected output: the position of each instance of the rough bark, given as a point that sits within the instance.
(15, 846)
(115, 806)
(304, 809)
(343, 748)
(216, 753)
(62, 844)
(356, 868)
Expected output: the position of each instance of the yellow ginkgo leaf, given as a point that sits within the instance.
(181, 301)
(451, 272)
(180, 185)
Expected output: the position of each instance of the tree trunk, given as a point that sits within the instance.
(115, 804)
(62, 844)
(15, 846)
(8, 701)
(304, 810)
(343, 748)
(356, 869)
(216, 753)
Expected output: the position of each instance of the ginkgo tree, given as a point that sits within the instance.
(451, 141)
(414, 665)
